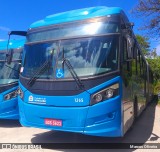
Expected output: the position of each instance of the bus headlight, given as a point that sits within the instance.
(10, 95)
(98, 97)
(107, 93)
(20, 93)
(7, 97)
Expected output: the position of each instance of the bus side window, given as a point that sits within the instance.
(124, 49)
(125, 57)
(138, 63)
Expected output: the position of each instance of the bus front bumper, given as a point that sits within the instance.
(103, 119)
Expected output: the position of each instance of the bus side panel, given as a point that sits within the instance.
(9, 108)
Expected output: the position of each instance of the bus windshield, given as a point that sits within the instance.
(89, 56)
(10, 73)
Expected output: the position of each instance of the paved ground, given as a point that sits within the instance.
(145, 130)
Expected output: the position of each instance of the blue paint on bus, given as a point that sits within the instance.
(75, 15)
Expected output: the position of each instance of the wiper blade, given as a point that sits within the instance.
(73, 73)
(40, 71)
(11, 68)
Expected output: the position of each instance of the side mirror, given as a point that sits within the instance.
(9, 56)
(130, 45)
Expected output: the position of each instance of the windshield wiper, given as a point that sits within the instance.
(73, 73)
(40, 71)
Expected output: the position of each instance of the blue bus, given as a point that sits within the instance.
(83, 71)
(9, 75)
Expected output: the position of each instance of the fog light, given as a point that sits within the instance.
(98, 97)
(109, 93)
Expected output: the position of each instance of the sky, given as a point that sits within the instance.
(20, 14)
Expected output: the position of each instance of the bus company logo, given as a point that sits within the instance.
(36, 100)
(30, 98)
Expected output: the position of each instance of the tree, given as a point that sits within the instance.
(144, 43)
(149, 10)
(152, 54)
(155, 66)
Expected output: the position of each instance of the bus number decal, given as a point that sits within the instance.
(78, 99)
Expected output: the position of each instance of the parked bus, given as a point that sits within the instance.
(83, 71)
(9, 75)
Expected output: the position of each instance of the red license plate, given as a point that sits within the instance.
(53, 122)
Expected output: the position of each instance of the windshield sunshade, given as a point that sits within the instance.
(93, 27)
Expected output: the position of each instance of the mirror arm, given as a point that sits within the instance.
(10, 54)
(20, 33)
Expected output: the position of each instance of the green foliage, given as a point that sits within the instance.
(144, 43)
(155, 66)
(153, 60)
(152, 54)
(157, 88)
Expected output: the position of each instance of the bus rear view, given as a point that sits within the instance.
(71, 78)
(9, 76)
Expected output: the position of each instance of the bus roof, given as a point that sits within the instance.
(78, 14)
(12, 45)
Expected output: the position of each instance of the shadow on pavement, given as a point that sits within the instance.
(141, 132)
(6, 123)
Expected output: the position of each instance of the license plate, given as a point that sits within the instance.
(53, 122)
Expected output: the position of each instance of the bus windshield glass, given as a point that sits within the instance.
(9, 73)
(95, 26)
(89, 56)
